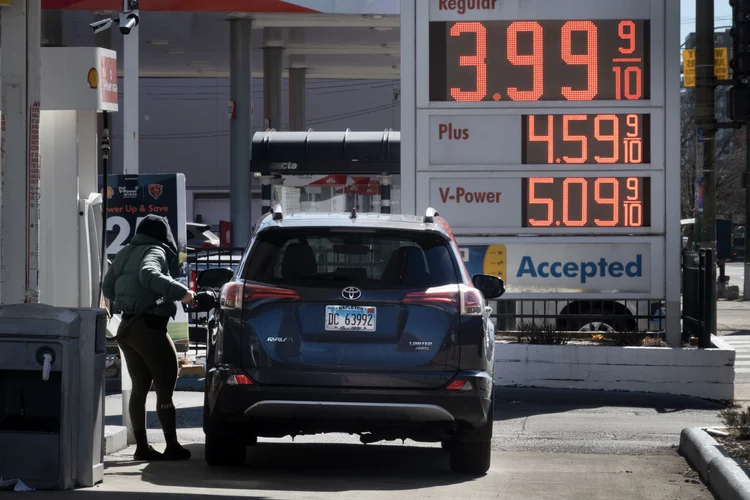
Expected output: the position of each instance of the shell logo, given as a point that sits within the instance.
(110, 192)
(93, 78)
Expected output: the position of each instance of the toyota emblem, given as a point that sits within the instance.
(351, 293)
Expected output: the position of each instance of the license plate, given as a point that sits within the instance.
(350, 318)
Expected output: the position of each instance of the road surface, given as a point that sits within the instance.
(547, 444)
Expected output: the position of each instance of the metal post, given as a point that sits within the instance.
(297, 102)
(266, 193)
(385, 193)
(20, 74)
(705, 119)
(746, 286)
(131, 114)
(102, 39)
(240, 128)
(272, 78)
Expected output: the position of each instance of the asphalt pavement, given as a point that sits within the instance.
(547, 444)
(736, 273)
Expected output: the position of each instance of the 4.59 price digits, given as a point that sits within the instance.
(586, 202)
(550, 60)
(603, 139)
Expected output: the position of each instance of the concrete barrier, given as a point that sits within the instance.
(701, 373)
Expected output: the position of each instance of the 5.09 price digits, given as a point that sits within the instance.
(587, 202)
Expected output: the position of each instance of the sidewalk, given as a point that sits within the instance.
(732, 316)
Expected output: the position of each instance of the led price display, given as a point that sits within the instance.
(539, 60)
(586, 202)
(574, 138)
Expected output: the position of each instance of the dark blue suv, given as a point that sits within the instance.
(359, 323)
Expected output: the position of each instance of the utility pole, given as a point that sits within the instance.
(739, 102)
(746, 286)
(705, 120)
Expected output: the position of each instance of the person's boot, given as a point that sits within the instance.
(143, 451)
(174, 450)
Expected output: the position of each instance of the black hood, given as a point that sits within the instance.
(157, 227)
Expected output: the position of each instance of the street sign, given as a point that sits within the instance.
(550, 129)
(721, 65)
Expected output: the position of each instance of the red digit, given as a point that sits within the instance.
(534, 200)
(589, 59)
(614, 137)
(477, 60)
(534, 137)
(580, 138)
(626, 30)
(535, 59)
(614, 200)
(566, 203)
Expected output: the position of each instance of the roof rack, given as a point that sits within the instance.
(278, 213)
(430, 215)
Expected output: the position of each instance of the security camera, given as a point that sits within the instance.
(129, 5)
(128, 23)
(101, 25)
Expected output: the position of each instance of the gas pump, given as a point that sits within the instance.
(77, 84)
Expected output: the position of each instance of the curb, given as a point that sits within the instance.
(723, 476)
(115, 439)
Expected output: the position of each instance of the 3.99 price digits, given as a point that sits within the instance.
(586, 202)
(603, 139)
(574, 60)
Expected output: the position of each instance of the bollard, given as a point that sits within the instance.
(707, 297)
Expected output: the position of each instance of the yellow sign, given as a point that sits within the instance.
(5, 3)
(495, 259)
(721, 65)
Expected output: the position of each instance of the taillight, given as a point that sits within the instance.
(193, 280)
(233, 295)
(459, 385)
(239, 379)
(439, 296)
(472, 302)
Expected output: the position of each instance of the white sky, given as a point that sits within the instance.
(722, 16)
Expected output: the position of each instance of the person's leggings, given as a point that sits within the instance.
(151, 357)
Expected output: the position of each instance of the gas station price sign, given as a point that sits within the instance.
(545, 60)
(586, 139)
(568, 202)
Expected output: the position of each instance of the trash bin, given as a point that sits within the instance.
(52, 363)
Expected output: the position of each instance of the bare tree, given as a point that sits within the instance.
(730, 160)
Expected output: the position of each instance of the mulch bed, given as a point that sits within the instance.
(738, 449)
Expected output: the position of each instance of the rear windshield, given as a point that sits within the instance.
(324, 258)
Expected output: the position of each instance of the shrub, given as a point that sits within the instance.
(737, 421)
(654, 342)
(627, 338)
(547, 334)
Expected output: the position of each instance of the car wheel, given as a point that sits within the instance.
(471, 449)
(224, 451)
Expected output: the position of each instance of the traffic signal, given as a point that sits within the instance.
(740, 33)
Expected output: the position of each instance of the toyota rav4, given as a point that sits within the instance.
(365, 324)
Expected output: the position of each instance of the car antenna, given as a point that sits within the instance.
(353, 215)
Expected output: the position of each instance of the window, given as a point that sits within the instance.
(329, 257)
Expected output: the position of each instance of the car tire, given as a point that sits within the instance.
(224, 451)
(471, 449)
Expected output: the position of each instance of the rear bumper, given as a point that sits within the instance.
(277, 410)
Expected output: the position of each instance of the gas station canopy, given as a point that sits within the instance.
(302, 153)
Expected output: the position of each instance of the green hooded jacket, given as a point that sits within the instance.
(140, 275)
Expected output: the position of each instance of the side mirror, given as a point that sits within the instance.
(214, 278)
(491, 287)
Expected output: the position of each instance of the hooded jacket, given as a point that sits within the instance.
(140, 274)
